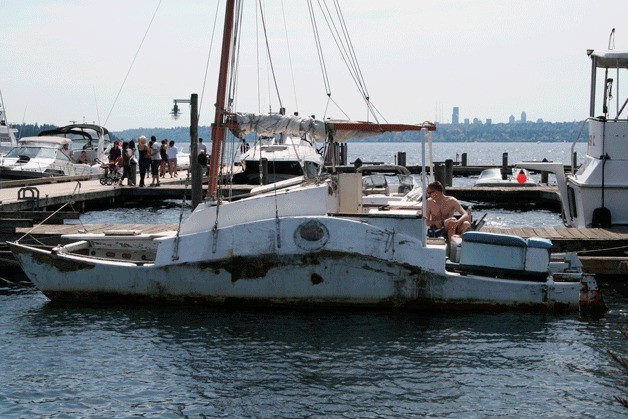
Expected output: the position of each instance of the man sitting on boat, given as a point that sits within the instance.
(440, 213)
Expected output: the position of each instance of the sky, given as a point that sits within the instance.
(120, 63)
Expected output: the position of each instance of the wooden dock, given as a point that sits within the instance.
(40, 195)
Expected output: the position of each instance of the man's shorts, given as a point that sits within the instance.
(154, 167)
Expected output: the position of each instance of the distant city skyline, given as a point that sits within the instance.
(63, 60)
(455, 119)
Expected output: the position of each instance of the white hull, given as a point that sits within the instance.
(321, 260)
(325, 279)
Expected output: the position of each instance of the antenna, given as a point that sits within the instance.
(611, 39)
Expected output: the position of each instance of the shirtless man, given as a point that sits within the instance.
(441, 209)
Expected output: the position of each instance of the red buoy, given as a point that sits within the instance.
(521, 177)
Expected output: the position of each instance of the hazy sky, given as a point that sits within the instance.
(64, 60)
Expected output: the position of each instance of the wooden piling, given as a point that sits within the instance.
(463, 160)
(264, 163)
(401, 158)
(505, 166)
(449, 172)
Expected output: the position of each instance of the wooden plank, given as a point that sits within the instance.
(39, 216)
(16, 222)
(552, 233)
(602, 233)
(605, 265)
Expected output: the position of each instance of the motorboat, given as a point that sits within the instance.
(275, 155)
(387, 184)
(91, 138)
(307, 244)
(596, 193)
(493, 178)
(7, 132)
(44, 155)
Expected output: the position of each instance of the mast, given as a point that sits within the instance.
(218, 127)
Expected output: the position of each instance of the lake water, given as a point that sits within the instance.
(167, 212)
(121, 361)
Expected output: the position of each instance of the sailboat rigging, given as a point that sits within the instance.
(308, 243)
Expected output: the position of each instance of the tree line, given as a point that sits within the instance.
(517, 132)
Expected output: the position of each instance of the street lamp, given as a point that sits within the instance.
(195, 168)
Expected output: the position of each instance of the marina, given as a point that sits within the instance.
(347, 250)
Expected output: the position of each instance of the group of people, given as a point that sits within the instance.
(153, 155)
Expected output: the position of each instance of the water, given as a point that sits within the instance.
(110, 361)
(167, 212)
(477, 153)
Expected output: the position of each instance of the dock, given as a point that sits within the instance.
(24, 204)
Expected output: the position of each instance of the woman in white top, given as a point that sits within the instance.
(171, 152)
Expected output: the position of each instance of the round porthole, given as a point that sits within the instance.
(311, 235)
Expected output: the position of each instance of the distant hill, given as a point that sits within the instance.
(517, 132)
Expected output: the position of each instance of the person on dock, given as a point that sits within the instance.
(202, 148)
(143, 151)
(155, 161)
(164, 157)
(132, 163)
(126, 164)
(172, 152)
(440, 213)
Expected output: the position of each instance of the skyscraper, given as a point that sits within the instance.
(524, 118)
(455, 116)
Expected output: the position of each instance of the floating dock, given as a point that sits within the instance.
(24, 204)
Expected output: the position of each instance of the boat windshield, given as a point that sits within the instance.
(32, 152)
(490, 174)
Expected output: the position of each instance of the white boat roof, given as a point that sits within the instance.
(610, 58)
(46, 140)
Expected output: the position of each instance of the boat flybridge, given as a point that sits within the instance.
(308, 244)
(596, 193)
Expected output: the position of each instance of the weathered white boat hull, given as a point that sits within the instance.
(324, 278)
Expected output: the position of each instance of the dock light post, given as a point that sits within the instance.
(195, 168)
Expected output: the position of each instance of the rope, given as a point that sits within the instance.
(601, 250)
(270, 58)
(77, 188)
(211, 44)
(175, 253)
(294, 86)
(133, 62)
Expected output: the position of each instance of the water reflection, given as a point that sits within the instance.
(175, 360)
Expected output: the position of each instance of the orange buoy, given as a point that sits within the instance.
(521, 177)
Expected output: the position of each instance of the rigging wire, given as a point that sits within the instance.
(211, 44)
(294, 86)
(133, 61)
(319, 48)
(340, 35)
(270, 59)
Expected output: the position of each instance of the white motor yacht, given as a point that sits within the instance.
(596, 193)
(44, 155)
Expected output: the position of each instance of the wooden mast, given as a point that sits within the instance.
(218, 127)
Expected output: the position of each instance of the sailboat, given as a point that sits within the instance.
(307, 244)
